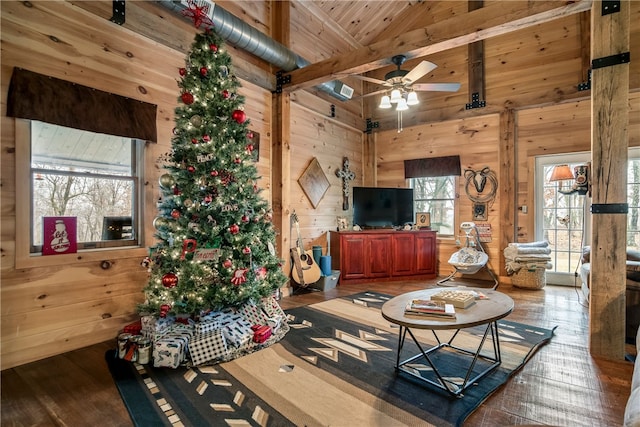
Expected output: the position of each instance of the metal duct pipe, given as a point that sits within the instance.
(242, 35)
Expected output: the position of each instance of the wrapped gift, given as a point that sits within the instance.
(207, 347)
(237, 331)
(207, 326)
(154, 326)
(261, 333)
(275, 316)
(167, 353)
(181, 334)
(133, 328)
(252, 313)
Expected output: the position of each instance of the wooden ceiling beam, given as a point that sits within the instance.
(490, 21)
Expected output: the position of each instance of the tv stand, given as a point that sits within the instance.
(383, 255)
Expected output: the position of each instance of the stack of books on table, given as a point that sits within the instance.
(430, 309)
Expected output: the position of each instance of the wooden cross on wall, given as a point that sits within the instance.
(347, 175)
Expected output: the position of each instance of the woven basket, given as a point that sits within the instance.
(530, 278)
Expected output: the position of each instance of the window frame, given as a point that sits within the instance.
(23, 256)
(455, 199)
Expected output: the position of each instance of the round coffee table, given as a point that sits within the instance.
(483, 312)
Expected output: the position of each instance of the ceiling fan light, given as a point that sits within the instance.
(402, 105)
(385, 102)
(412, 98)
(396, 96)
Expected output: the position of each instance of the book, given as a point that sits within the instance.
(427, 305)
(444, 310)
(459, 299)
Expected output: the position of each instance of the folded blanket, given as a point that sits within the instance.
(539, 243)
(513, 266)
(513, 251)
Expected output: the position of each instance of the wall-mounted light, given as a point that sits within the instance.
(580, 177)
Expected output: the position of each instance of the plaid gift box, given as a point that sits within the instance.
(252, 314)
(237, 331)
(208, 347)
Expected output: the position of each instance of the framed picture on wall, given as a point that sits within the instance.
(423, 220)
(480, 212)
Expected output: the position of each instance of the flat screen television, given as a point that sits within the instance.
(375, 207)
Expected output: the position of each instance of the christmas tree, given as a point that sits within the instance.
(215, 233)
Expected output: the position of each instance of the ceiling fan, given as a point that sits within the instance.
(404, 80)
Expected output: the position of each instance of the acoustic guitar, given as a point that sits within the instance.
(305, 270)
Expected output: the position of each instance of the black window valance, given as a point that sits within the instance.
(38, 97)
(432, 166)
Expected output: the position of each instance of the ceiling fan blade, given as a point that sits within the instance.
(418, 71)
(369, 94)
(369, 79)
(436, 87)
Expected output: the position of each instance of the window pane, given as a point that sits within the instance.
(66, 149)
(94, 201)
(436, 195)
(88, 176)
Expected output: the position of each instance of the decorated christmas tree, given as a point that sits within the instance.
(214, 229)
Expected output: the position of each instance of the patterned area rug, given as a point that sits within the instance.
(335, 367)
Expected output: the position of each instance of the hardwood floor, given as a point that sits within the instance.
(562, 385)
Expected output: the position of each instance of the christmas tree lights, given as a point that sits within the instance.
(214, 229)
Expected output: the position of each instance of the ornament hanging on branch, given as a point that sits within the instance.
(187, 98)
(239, 276)
(239, 116)
(169, 280)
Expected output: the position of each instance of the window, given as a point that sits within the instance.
(93, 177)
(436, 195)
(563, 219)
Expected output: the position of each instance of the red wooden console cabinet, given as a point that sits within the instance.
(378, 255)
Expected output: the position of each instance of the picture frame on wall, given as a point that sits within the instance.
(343, 223)
(423, 219)
(480, 212)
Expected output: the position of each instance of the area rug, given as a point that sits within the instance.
(335, 367)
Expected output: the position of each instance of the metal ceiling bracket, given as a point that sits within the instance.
(281, 80)
(609, 7)
(585, 85)
(371, 125)
(118, 12)
(475, 102)
(608, 61)
(610, 208)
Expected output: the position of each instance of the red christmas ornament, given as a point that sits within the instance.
(239, 116)
(182, 71)
(194, 141)
(246, 250)
(245, 218)
(203, 71)
(227, 263)
(213, 48)
(164, 310)
(250, 148)
(176, 191)
(191, 169)
(237, 160)
(206, 138)
(250, 135)
(175, 214)
(187, 98)
(214, 173)
(226, 94)
(261, 273)
(234, 229)
(169, 280)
